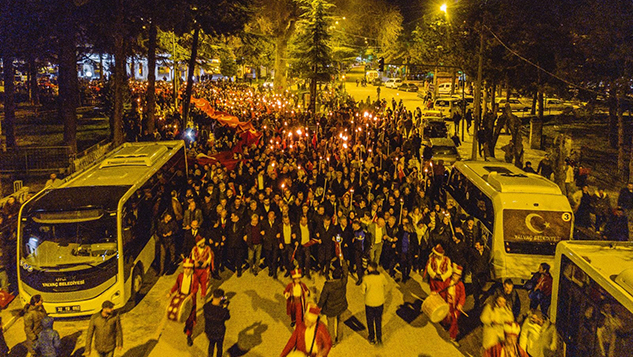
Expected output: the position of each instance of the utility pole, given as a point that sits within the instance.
(480, 66)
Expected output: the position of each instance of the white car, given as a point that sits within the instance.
(393, 83)
(515, 104)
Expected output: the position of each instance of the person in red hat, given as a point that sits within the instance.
(187, 284)
(455, 296)
(310, 337)
(439, 269)
(509, 347)
(203, 263)
(295, 294)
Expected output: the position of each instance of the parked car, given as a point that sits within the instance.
(377, 82)
(444, 88)
(393, 83)
(447, 105)
(444, 149)
(515, 104)
(557, 104)
(408, 87)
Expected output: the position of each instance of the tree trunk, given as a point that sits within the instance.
(9, 98)
(34, 89)
(151, 78)
(313, 93)
(613, 120)
(621, 152)
(68, 82)
(281, 44)
(536, 123)
(534, 99)
(190, 70)
(119, 77)
(562, 149)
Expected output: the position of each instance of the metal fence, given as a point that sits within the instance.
(36, 159)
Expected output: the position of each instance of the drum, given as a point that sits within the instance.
(179, 308)
(435, 308)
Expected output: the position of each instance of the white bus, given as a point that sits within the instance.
(592, 298)
(91, 238)
(519, 216)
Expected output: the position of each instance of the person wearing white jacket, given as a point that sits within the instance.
(494, 316)
(538, 336)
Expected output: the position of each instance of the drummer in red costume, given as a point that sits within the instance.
(310, 337)
(439, 269)
(295, 294)
(187, 284)
(455, 296)
(203, 261)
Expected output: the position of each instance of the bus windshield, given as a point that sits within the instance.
(68, 240)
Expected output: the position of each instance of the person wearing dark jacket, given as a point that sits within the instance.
(480, 267)
(4, 348)
(512, 297)
(406, 246)
(48, 341)
(216, 314)
(105, 328)
(235, 245)
(360, 248)
(34, 314)
(617, 227)
(333, 300)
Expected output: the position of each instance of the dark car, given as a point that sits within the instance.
(435, 129)
(408, 87)
(377, 82)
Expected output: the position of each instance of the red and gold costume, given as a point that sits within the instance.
(311, 337)
(439, 269)
(295, 294)
(203, 262)
(455, 296)
(187, 284)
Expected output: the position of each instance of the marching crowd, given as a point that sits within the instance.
(346, 194)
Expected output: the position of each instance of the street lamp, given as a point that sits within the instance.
(443, 8)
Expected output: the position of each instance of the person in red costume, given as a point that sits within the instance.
(295, 294)
(203, 263)
(187, 284)
(439, 269)
(455, 296)
(310, 337)
(510, 346)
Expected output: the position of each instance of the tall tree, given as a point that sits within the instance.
(314, 55)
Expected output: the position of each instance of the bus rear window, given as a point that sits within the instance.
(535, 232)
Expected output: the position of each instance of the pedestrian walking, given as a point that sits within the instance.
(512, 297)
(541, 293)
(34, 313)
(48, 342)
(617, 227)
(187, 285)
(538, 336)
(377, 232)
(333, 299)
(216, 313)
(167, 231)
(360, 249)
(509, 346)
(455, 296)
(105, 329)
(439, 268)
(295, 294)
(254, 238)
(545, 167)
(601, 208)
(480, 263)
(374, 287)
(202, 257)
(310, 337)
(495, 315)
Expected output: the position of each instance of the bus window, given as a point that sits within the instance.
(590, 321)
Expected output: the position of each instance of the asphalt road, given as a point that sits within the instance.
(259, 325)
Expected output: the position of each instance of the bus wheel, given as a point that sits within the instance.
(137, 281)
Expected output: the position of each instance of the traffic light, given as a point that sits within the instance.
(381, 64)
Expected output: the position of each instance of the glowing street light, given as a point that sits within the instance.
(443, 8)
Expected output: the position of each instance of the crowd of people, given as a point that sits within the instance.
(346, 193)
